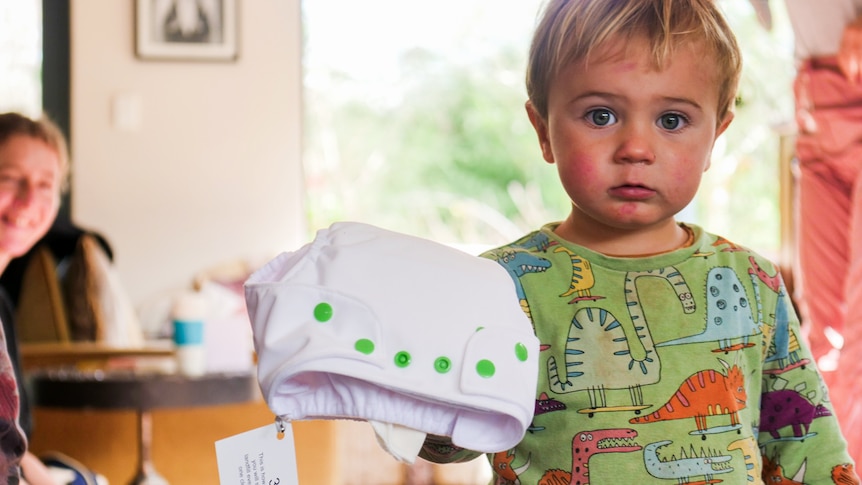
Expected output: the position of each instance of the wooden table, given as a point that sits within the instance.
(139, 391)
(91, 355)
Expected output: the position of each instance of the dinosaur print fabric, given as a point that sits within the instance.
(680, 368)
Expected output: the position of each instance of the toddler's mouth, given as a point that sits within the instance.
(632, 192)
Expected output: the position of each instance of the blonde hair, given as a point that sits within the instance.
(570, 30)
(43, 129)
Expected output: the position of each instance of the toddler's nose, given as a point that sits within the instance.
(635, 145)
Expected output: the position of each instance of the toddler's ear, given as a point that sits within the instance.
(728, 117)
(541, 127)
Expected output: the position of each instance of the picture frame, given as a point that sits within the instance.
(192, 30)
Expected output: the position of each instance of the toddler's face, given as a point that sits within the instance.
(631, 142)
(29, 192)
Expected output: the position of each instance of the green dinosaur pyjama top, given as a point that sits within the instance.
(683, 368)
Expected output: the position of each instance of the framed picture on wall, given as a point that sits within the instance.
(201, 30)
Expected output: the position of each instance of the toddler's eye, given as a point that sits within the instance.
(671, 121)
(601, 117)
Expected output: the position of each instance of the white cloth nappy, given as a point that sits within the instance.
(369, 324)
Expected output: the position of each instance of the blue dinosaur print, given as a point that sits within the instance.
(728, 313)
(539, 241)
(691, 464)
(518, 264)
(785, 346)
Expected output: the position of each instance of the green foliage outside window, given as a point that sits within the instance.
(444, 148)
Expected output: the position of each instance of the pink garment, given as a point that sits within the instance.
(829, 149)
(13, 443)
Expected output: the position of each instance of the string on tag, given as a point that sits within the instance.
(279, 427)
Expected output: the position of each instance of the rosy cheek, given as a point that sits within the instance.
(582, 166)
(685, 175)
(580, 177)
(586, 172)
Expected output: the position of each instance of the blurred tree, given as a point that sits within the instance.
(442, 148)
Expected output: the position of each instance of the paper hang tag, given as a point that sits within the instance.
(262, 456)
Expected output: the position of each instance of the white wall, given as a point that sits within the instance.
(212, 170)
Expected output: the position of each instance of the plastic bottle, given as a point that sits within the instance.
(188, 315)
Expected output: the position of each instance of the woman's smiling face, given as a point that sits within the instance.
(30, 178)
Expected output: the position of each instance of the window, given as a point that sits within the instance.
(21, 56)
(418, 124)
(414, 121)
(739, 197)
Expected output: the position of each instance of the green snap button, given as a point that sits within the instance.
(402, 359)
(442, 365)
(485, 368)
(521, 352)
(364, 345)
(323, 312)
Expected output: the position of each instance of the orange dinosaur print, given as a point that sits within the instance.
(502, 464)
(705, 393)
(773, 473)
(555, 477)
(720, 241)
(844, 475)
